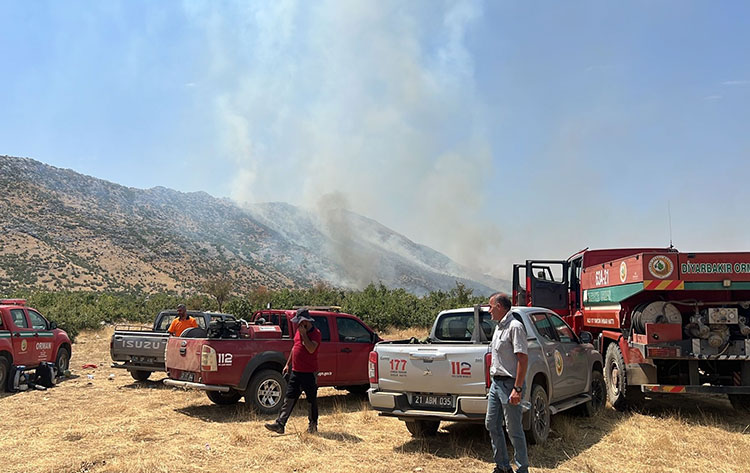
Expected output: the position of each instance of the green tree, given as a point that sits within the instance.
(219, 289)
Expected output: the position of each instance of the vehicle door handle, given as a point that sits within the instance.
(17, 334)
(36, 334)
(346, 350)
(549, 353)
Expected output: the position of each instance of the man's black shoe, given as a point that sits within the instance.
(275, 427)
(312, 428)
(502, 470)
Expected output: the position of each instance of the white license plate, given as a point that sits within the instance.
(432, 400)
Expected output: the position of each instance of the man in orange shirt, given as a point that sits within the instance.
(182, 322)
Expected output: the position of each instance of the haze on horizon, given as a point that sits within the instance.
(490, 131)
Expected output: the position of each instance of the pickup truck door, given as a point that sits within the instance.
(24, 339)
(550, 349)
(572, 364)
(354, 345)
(44, 339)
(327, 353)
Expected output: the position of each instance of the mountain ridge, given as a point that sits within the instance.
(65, 230)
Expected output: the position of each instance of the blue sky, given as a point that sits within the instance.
(491, 131)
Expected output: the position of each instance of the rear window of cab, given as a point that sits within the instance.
(459, 326)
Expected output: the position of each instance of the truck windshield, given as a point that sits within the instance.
(459, 326)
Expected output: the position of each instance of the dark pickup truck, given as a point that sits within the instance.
(250, 365)
(140, 350)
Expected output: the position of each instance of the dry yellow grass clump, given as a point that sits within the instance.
(117, 425)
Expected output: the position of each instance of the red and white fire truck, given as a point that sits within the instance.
(666, 321)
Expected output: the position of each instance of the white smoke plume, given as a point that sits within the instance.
(372, 101)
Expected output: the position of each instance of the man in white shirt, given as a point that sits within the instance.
(510, 358)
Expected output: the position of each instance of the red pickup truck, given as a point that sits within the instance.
(27, 340)
(230, 365)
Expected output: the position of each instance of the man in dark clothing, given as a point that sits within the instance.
(303, 361)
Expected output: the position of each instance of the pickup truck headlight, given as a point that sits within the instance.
(208, 358)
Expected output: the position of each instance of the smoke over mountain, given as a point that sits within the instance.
(365, 118)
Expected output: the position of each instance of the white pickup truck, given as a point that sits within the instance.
(446, 378)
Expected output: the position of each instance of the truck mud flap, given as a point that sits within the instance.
(689, 389)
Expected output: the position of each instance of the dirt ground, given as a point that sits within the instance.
(117, 425)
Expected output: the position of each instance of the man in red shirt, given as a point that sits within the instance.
(303, 360)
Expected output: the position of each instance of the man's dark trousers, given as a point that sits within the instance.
(299, 382)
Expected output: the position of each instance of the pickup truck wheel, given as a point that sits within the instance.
(422, 428)
(224, 399)
(619, 393)
(62, 363)
(140, 375)
(598, 393)
(266, 391)
(540, 417)
(740, 402)
(4, 370)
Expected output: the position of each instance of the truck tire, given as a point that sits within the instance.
(224, 399)
(540, 416)
(266, 391)
(598, 393)
(740, 402)
(619, 394)
(4, 370)
(62, 362)
(140, 375)
(422, 428)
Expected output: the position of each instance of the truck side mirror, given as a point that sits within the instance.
(52, 326)
(586, 337)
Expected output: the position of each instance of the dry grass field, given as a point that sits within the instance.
(116, 425)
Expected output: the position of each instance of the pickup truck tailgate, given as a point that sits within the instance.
(440, 369)
(184, 354)
(140, 344)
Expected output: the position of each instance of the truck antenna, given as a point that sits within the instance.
(669, 214)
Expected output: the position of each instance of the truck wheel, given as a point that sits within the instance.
(598, 393)
(62, 363)
(619, 394)
(224, 399)
(740, 402)
(139, 375)
(4, 370)
(540, 416)
(422, 428)
(266, 391)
